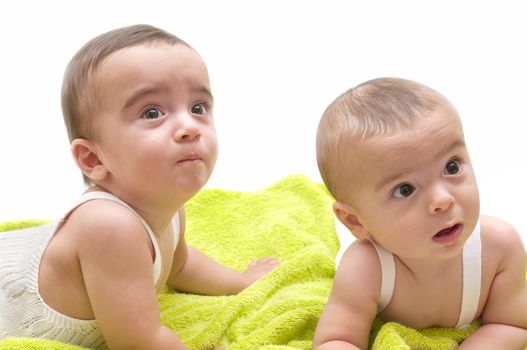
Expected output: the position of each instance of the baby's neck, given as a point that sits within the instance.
(156, 212)
(159, 223)
(425, 269)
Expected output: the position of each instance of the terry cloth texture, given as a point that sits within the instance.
(291, 220)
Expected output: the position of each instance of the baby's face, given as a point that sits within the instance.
(416, 194)
(155, 129)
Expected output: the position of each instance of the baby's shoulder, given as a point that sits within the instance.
(504, 263)
(102, 222)
(358, 276)
(360, 258)
(499, 235)
(361, 250)
(502, 245)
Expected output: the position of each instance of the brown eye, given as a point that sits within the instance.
(452, 167)
(198, 109)
(151, 113)
(403, 191)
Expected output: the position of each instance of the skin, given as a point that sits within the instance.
(155, 148)
(410, 185)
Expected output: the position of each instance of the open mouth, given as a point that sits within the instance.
(449, 235)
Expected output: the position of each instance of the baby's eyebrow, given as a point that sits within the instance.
(453, 145)
(204, 90)
(143, 91)
(387, 180)
(456, 144)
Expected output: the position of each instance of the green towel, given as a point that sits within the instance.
(291, 220)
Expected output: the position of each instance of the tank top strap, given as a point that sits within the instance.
(387, 276)
(471, 278)
(106, 195)
(175, 229)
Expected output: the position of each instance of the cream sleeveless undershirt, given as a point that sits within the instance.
(23, 312)
(471, 278)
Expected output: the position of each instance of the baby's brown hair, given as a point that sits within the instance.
(373, 108)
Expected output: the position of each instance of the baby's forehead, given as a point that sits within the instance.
(426, 136)
(140, 52)
(150, 64)
(406, 152)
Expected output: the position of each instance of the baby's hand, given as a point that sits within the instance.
(259, 268)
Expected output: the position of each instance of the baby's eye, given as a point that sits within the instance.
(452, 167)
(199, 108)
(404, 190)
(152, 113)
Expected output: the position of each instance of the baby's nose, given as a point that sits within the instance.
(187, 129)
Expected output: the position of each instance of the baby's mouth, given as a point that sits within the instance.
(449, 235)
(190, 158)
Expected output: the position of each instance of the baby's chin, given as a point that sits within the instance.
(193, 183)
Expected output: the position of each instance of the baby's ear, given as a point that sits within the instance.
(348, 216)
(87, 159)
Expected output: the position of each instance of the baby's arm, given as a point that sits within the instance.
(496, 336)
(504, 316)
(116, 262)
(352, 305)
(195, 272)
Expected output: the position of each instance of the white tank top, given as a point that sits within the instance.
(23, 312)
(471, 278)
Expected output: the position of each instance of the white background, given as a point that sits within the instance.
(274, 67)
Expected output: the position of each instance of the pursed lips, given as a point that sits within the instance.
(190, 158)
